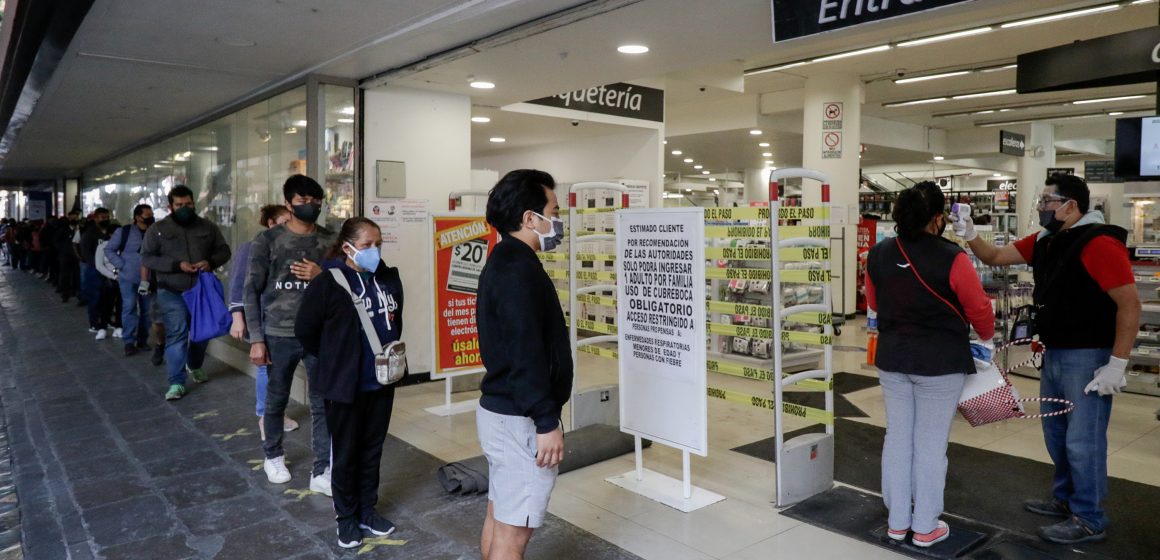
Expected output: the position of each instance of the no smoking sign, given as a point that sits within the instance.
(832, 145)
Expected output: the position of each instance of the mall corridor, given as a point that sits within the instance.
(106, 468)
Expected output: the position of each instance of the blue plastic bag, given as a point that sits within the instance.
(209, 317)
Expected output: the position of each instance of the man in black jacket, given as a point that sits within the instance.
(524, 344)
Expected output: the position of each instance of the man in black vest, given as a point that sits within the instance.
(1088, 313)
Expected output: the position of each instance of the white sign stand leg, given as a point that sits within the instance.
(677, 494)
(448, 408)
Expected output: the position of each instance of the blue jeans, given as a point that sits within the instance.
(134, 314)
(179, 351)
(260, 381)
(919, 411)
(285, 353)
(91, 290)
(1077, 442)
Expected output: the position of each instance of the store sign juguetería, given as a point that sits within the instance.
(619, 99)
(1124, 58)
(801, 18)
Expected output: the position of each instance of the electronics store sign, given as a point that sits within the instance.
(619, 99)
(1012, 143)
(801, 18)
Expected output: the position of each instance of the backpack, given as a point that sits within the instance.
(124, 238)
(102, 261)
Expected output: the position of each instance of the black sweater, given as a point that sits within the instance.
(328, 327)
(523, 338)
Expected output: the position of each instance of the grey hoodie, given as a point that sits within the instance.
(167, 244)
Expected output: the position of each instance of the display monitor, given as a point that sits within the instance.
(1138, 148)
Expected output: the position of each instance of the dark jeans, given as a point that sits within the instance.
(91, 282)
(1077, 442)
(357, 431)
(110, 313)
(285, 353)
(179, 351)
(134, 314)
(68, 276)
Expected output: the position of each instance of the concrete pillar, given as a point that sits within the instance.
(833, 105)
(756, 185)
(1032, 175)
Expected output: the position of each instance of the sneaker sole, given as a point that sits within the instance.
(928, 544)
(374, 532)
(1047, 512)
(896, 536)
(173, 398)
(1090, 538)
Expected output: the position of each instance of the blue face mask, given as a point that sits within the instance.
(552, 239)
(367, 259)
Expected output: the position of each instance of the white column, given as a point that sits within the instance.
(756, 185)
(1033, 174)
(822, 92)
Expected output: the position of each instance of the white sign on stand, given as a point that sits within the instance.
(661, 330)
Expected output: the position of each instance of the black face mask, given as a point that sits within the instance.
(148, 221)
(1049, 222)
(184, 215)
(307, 212)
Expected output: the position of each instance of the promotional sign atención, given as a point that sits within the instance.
(461, 245)
(801, 18)
(661, 326)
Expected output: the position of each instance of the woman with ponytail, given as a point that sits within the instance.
(358, 407)
(928, 297)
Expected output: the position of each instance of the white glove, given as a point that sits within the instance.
(1110, 378)
(961, 221)
(983, 351)
(143, 289)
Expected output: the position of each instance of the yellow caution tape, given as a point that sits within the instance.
(736, 232)
(806, 337)
(789, 232)
(804, 276)
(596, 275)
(598, 351)
(737, 213)
(800, 254)
(809, 413)
(557, 273)
(552, 257)
(743, 253)
(594, 326)
(748, 310)
(591, 210)
(740, 330)
(594, 299)
(738, 273)
(588, 232)
(762, 374)
(811, 318)
(593, 257)
(803, 213)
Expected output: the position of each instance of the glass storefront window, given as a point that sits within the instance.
(337, 155)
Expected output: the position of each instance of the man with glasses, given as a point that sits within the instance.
(1087, 312)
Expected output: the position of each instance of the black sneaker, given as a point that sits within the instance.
(130, 350)
(377, 525)
(1072, 531)
(1050, 507)
(144, 347)
(349, 535)
(158, 355)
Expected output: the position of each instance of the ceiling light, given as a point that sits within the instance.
(632, 49)
(984, 94)
(299, 123)
(1137, 2)
(996, 174)
(939, 158)
(1115, 113)
(915, 102)
(347, 110)
(755, 132)
(931, 77)
(769, 163)
(879, 48)
(1061, 15)
(498, 139)
(345, 121)
(1106, 99)
(778, 68)
(482, 85)
(772, 168)
(705, 172)
(987, 112)
(763, 145)
(698, 166)
(481, 119)
(999, 68)
(676, 152)
(688, 160)
(766, 154)
(291, 130)
(665, 142)
(945, 37)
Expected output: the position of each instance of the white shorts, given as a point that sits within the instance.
(517, 488)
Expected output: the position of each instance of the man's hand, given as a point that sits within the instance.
(258, 354)
(961, 222)
(187, 268)
(305, 269)
(202, 266)
(143, 288)
(550, 448)
(1110, 378)
(238, 327)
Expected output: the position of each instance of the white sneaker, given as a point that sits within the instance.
(101, 334)
(276, 470)
(321, 483)
(289, 425)
(117, 332)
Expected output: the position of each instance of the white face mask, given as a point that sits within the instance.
(552, 239)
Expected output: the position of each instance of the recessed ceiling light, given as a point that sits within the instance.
(481, 119)
(879, 48)
(666, 142)
(763, 145)
(347, 110)
(768, 162)
(705, 172)
(1106, 99)
(996, 174)
(482, 85)
(632, 49)
(945, 37)
(698, 166)
(915, 102)
(755, 132)
(931, 77)
(676, 152)
(939, 158)
(345, 121)
(1115, 113)
(299, 123)
(498, 139)
(984, 94)
(1061, 15)
(688, 160)
(999, 68)
(766, 154)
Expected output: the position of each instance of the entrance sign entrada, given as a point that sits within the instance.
(793, 19)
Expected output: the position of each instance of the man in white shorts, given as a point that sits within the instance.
(523, 341)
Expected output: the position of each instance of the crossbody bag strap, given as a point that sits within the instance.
(361, 310)
(924, 284)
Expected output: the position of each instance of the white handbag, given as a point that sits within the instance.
(390, 362)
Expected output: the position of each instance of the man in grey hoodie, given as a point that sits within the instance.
(177, 248)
